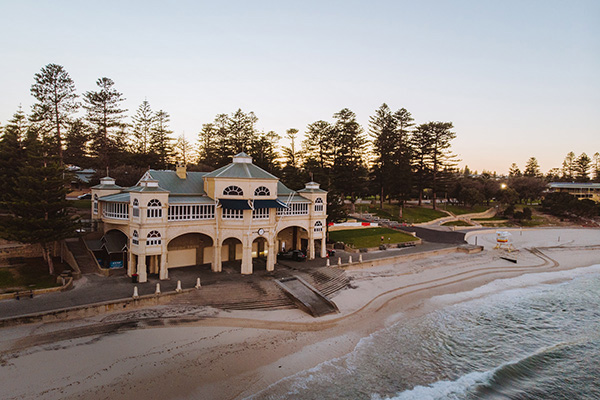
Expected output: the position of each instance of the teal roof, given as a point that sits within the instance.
(110, 187)
(240, 170)
(295, 198)
(190, 200)
(312, 191)
(283, 190)
(168, 180)
(146, 189)
(116, 198)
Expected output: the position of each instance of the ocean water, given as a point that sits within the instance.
(540, 342)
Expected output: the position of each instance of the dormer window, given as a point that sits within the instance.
(136, 208)
(262, 191)
(233, 191)
(154, 209)
(319, 205)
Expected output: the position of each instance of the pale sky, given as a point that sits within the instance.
(517, 78)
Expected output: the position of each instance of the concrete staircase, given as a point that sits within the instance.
(263, 294)
(84, 259)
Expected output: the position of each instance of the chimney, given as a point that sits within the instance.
(180, 170)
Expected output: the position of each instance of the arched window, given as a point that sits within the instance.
(136, 208)
(136, 238)
(262, 191)
(318, 205)
(233, 191)
(318, 226)
(95, 204)
(154, 209)
(153, 238)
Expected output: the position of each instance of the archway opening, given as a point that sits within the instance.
(231, 253)
(260, 252)
(292, 238)
(190, 249)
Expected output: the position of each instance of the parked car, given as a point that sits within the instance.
(330, 253)
(86, 196)
(294, 255)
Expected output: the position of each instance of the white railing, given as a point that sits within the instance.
(294, 209)
(191, 212)
(233, 214)
(260, 213)
(116, 210)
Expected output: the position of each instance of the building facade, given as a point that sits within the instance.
(580, 190)
(238, 213)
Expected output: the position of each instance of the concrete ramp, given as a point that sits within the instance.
(306, 296)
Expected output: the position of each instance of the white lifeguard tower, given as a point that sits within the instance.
(503, 241)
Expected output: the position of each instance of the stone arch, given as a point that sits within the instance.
(292, 237)
(189, 249)
(231, 249)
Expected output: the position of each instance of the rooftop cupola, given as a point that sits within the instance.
(242, 158)
(107, 180)
(149, 183)
(312, 185)
(180, 170)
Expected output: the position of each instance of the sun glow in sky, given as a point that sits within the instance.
(517, 78)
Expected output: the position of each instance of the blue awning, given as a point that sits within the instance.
(235, 204)
(269, 204)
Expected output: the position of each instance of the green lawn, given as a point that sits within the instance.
(369, 237)
(80, 204)
(32, 273)
(456, 223)
(411, 215)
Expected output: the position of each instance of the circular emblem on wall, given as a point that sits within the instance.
(261, 231)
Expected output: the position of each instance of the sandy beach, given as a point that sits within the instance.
(230, 355)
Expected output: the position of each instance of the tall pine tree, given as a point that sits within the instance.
(104, 116)
(37, 212)
(54, 91)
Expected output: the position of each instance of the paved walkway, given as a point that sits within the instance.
(95, 289)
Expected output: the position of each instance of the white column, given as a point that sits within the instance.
(323, 246)
(247, 256)
(130, 263)
(141, 269)
(216, 265)
(311, 243)
(164, 267)
(272, 254)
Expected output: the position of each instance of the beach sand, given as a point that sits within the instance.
(228, 355)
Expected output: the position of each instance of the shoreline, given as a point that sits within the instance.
(238, 354)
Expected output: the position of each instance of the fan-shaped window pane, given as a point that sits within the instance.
(153, 238)
(262, 191)
(318, 204)
(154, 209)
(233, 191)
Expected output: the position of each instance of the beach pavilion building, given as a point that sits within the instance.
(239, 214)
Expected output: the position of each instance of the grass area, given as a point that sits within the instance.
(80, 204)
(494, 218)
(456, 223)
(31, 273)
(369, 237)
(459, 210)
(410, 215)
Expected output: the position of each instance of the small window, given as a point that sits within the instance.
(318, 226)
(233, 214)
(233, 191)
(95, 204)
(262, 191)
(154, 209)
(136, 208)
(153, 238)
(135, 239)
(319, 205)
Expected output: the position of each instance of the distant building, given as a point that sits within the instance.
(239, 212)
(579, 190)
